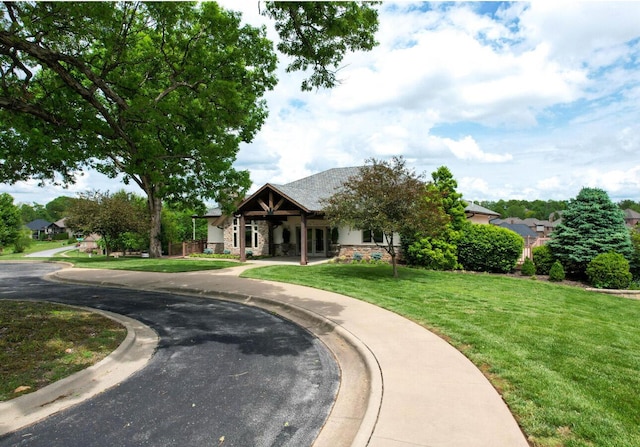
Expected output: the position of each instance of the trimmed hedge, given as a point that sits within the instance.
(609, 271)
(488, 248)
(433, 254)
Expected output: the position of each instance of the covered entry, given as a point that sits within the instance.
(278, 208)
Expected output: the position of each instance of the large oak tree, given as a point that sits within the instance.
(161, 93)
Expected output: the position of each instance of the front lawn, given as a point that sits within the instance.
(566, 361)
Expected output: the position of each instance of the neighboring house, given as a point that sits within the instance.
(542, 228)
(631, 217)
(61, 224)
(479, 214)
(41, 228)
(287, 220)
(89, 243)
(520, 228)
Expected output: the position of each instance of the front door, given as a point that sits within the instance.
(316, 241)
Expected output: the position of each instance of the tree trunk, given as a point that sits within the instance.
(155, 211)
(395, 265)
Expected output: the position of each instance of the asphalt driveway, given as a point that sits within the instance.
(223, 374)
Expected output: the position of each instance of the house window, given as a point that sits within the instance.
(369, 236)
(250, 234)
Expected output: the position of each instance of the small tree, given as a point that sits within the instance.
(389, 198)
(109, 216)
(452, 203)
(528, 267)
(556, 272)
(10, 221)
(591, 224)
(439, 252)
(23, 241)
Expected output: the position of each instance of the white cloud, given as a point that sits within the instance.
(468, 149)
(535, 101)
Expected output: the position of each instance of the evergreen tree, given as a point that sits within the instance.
(452, 202)
(592, 224)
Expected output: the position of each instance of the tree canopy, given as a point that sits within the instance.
(108, 215)
(592, 224)
(389, 198)
(160, 93)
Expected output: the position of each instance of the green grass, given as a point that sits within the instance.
(566, 361)
(42, 342)
(162, 265)
(82, 260)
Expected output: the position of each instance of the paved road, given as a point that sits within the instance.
(223, 375)
(51, 252)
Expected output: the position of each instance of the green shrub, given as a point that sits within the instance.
(556, 272)
(543, 259)
(528, 267)
(487, 248)
(433, 254)
(609, 271)
(23, 241)
(357, 257)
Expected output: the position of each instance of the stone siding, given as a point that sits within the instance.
(365, 251)
(263, 238)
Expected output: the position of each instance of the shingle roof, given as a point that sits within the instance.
(522, 229)
(477, 209)
(38, 224)
(309, 191)
(212, 212)
(631, 214)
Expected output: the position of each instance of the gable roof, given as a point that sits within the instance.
(305, 194)
(631, 214)
(38, 224)
(309, 191)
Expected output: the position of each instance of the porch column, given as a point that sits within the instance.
(241, 235)
(303, 238)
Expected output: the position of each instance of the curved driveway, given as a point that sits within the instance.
(223, 374)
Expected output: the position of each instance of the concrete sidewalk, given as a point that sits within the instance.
(418, 390)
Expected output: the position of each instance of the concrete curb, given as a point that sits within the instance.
(355, 411)
(632, 294)
(132, 355)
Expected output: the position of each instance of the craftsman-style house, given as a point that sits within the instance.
(287, 220)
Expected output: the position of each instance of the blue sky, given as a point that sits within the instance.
(519, 100)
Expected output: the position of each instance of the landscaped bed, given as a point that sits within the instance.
(566, 361)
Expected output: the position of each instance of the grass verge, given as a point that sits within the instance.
(566, 361)
(43, 342)
(162, 265)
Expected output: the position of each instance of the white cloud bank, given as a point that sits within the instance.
(529, 100)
